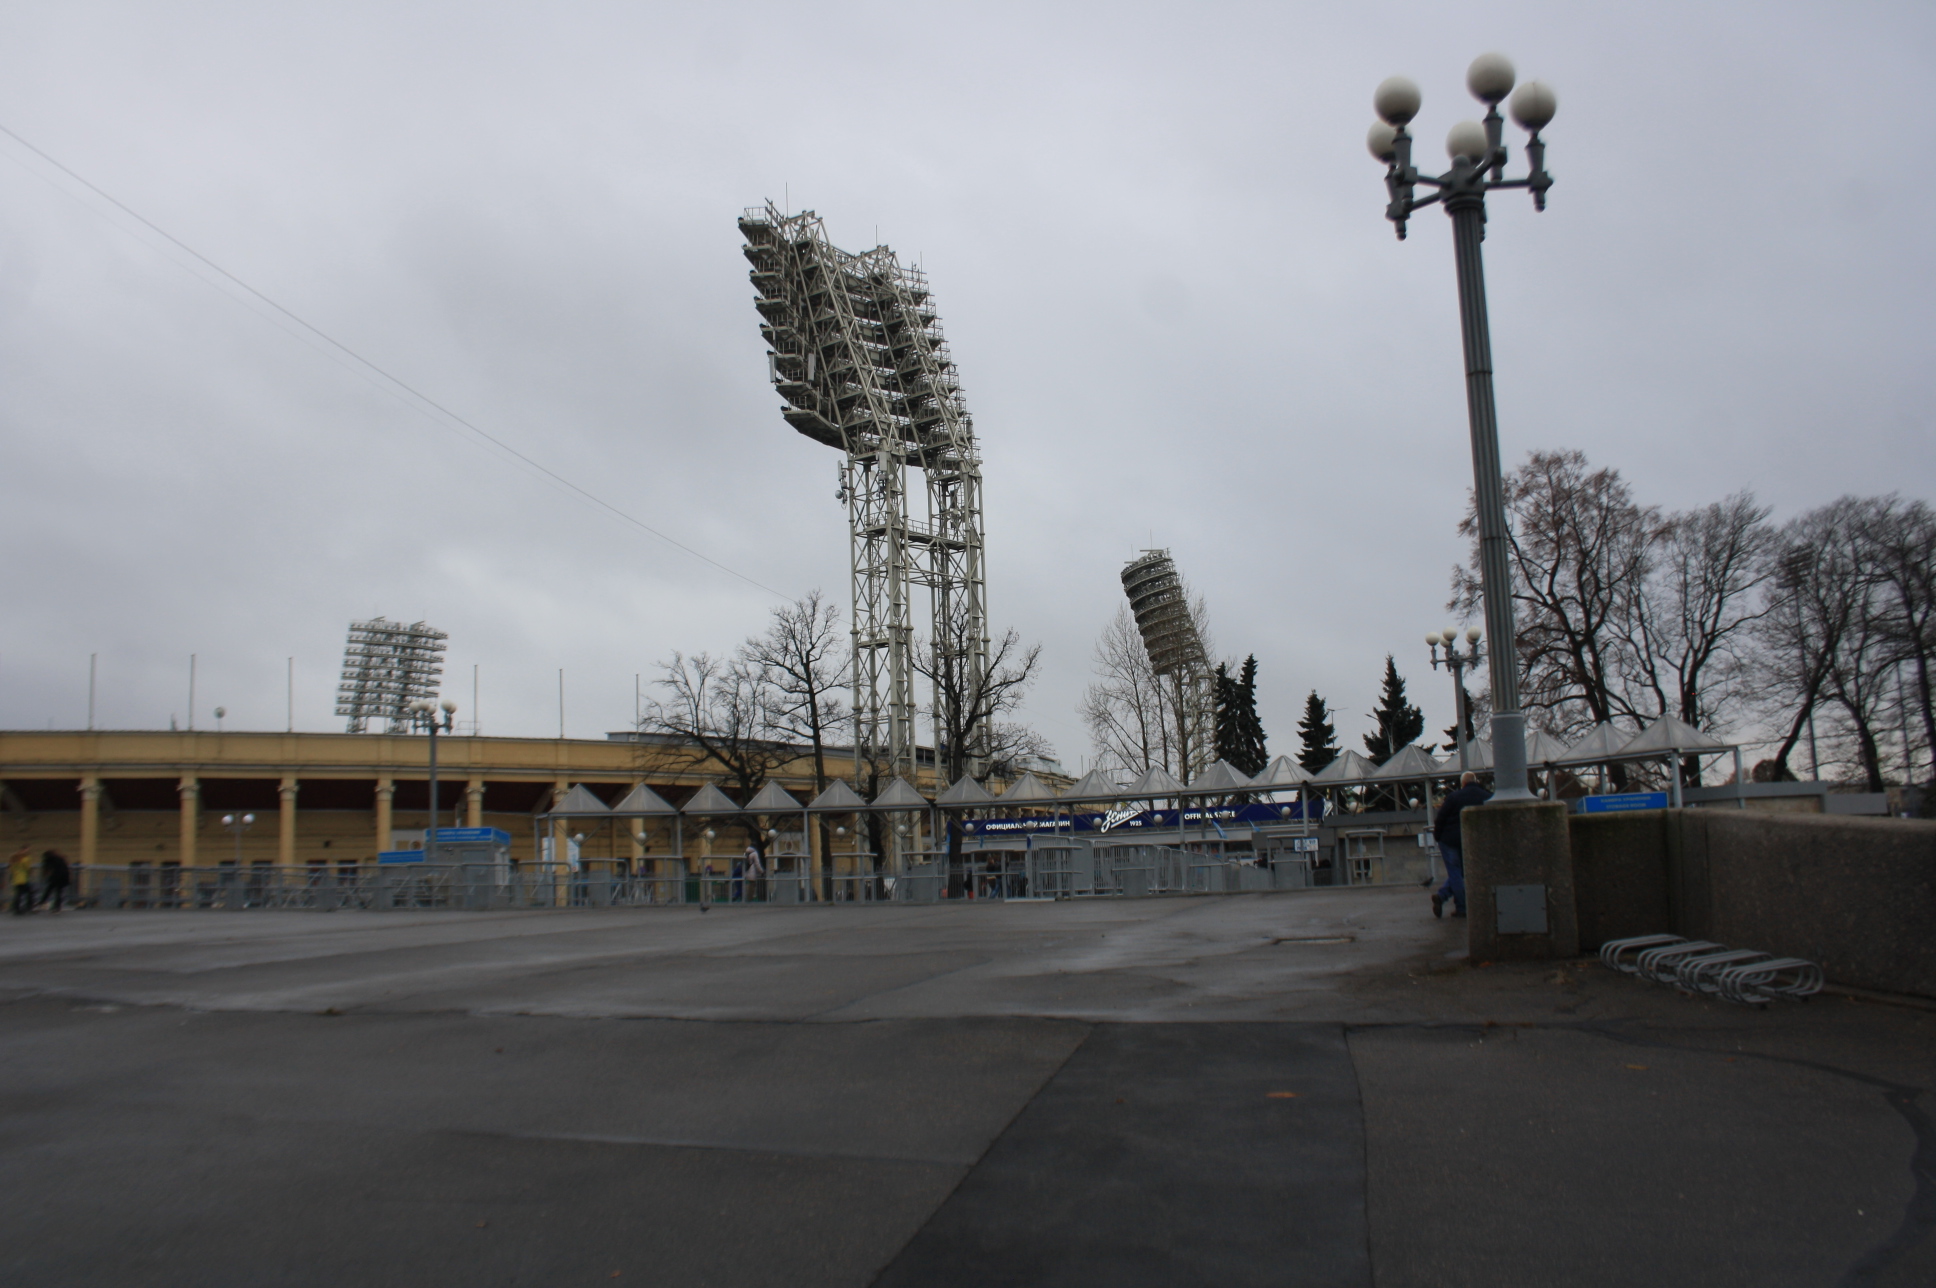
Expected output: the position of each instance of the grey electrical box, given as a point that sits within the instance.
(1522, 909)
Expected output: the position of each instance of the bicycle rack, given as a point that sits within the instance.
(1714, 970)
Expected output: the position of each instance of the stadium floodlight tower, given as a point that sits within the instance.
(858, 354)
(387, 667)
(1161, 605)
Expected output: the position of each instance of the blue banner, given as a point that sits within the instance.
(1615, 804)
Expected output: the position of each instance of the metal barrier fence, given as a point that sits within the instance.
(1081, 869)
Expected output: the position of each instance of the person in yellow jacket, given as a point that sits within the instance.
(20, 875)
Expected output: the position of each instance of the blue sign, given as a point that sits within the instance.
(1623, 801)
(472, 836)
(400, 856)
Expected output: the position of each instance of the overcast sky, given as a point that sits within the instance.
(1153, 232)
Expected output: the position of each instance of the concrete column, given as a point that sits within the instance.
(90, 819)
(560, 840)
(191, 812)
(1519, 882)
(386, 791)
(634, 826)
(816, 863)
(286, 837)
(474, 803)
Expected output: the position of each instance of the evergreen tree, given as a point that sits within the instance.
(1252, 752)
(1240, 733)
(1229, 709)
(1397, 722)
(1316, 735)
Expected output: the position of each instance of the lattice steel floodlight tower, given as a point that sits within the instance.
(858, 354)
(387, 666)
(1162, 610)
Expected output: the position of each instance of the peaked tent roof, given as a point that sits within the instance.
(1028, 790)
(1349, 767)
(1478, 755)
(839, 798)
(1605, 740)
(1410, 763)
(1543, 748)
(773, 799)
(1093, 786)
(966, 791)
(1154, 781)
(1669, 734)
(580, 803)
(1221, 776)
(642, 800)
(1282, 772)
(710, 800)
(900, 794)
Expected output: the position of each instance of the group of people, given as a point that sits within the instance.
(55, 878)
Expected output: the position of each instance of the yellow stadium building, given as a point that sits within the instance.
(334, 801)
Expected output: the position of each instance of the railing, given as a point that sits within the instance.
(1080, 869)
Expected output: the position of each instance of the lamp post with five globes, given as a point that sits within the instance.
(1478, 167)
(1457, 662)
(426, 715)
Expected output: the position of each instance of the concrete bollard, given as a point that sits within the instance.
(1519, 882)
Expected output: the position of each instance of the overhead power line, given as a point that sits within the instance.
(417, 400)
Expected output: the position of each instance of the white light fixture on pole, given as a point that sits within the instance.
(1478, 167)
(1457, 662)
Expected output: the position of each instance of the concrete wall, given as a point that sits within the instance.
(1857, 895)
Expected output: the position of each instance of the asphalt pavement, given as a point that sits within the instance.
(1309, 1088)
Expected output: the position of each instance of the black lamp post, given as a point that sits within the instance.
(1456, 662)
(1478, 167)
(427, 715)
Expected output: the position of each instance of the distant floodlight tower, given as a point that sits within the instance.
(387, 666)
(1162, 608)
(858, 354)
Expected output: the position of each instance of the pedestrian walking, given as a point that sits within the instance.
(755, 876)
(55, 877)
(1445, 830)
(20, 876)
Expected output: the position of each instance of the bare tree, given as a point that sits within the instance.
(1831, 637)
(1689, 629)
(725, 708)
(1135, 717)
(972, 739)
(1581, 551)
(1901, 540)
(802, 659)
(1795, 642)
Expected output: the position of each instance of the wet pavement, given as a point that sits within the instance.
(1302, 1088)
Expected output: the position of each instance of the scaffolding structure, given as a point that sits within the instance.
(856, 351)
(1161, 606)
(386, 667)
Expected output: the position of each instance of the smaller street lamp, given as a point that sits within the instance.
(1457, 662)
(238, 824)
(427, 715)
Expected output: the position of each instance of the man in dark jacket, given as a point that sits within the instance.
(55, 877)
(1445, 830)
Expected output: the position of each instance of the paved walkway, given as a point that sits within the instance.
(1311, 1088)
